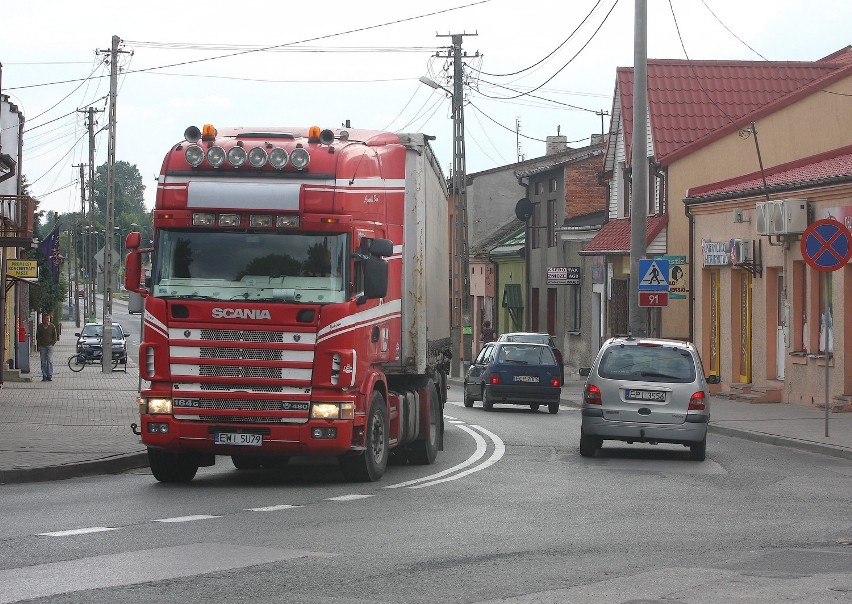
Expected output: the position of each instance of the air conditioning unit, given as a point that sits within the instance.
(761, 213)
(789, 216)
(740, 251)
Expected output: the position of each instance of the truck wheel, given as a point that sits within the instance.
(172, 467)
(424, 451)
(370, 465)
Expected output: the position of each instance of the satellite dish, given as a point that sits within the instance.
(523, 209)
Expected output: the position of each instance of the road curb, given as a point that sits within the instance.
(782, 441)
(110, 465)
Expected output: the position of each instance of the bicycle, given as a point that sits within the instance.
(77, 362)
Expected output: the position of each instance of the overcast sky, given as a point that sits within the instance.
(334, 63)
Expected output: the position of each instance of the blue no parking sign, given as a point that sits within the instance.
(826, 245)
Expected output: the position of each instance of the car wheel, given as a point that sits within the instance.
(535, 406)
(369, 465)
(589, 445)
(487, 403)
(172, 467)
(699, 450)
(553, 408)
(468, 400)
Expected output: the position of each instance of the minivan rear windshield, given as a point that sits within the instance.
(647, 364)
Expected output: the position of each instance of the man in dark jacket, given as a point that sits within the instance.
(46, 337)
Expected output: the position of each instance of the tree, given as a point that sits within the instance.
(129, 192)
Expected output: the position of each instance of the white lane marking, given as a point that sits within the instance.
(352, 497)
(273, 508)
(499, 450)
(82, 531)
(481, 448)
(136, 567)
(186, 518)
(456, 421)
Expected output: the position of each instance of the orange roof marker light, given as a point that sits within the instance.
(208, 133)
(314, 134)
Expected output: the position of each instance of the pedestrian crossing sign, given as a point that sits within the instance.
(653, 275)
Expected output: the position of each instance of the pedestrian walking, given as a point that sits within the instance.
(487, 332)
(46, 337)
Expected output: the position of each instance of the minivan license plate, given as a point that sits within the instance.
(526, 378)
(239, 439)
(645, 395)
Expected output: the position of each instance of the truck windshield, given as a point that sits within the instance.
(226, 265)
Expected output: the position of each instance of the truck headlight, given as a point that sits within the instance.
(159, 405)
(333, 411)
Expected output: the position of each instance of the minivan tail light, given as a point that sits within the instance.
(555, 382)
(494, 379)
(592, 395)
(697, 402)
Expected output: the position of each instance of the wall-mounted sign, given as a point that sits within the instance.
(23, 269)
(563, 275)
(678, 277)
(716, 253)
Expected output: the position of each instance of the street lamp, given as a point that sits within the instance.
(459, 268)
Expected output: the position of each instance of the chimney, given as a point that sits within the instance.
(557, 143)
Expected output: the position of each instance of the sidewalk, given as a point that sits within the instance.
(79, 423)
(75, 425)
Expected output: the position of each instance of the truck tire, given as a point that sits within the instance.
(369, 465)
(172, 467)
(424, 450)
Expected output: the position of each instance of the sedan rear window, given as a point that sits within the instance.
(649, 364)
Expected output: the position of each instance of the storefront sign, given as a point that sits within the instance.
(678, 277)
(23, 269)
(716, 253)
(563, 275)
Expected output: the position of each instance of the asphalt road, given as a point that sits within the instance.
(510, 512)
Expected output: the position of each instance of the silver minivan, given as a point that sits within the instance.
(646, 390)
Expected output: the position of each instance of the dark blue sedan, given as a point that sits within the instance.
(514, 373)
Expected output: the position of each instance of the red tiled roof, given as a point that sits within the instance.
(827, 165)
(614, 236)
(692, 103)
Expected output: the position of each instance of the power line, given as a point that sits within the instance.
(276, 46)
(731, 32)
(550, 54)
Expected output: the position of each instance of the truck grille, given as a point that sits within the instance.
(271, 373)
(249, 354)
(235, 419)
(238, 335)
(241, 404)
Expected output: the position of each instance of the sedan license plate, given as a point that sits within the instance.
(526, 378)
(239, 439)
(645, 395)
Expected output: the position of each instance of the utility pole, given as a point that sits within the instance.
(72, 243)
(89, 309)
(106, 357)
(461, 344)
(639, 165)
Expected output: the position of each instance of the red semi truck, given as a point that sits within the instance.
(298, 301)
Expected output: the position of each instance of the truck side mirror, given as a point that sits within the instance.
(375, 278)
(133, 271)
(381, 247)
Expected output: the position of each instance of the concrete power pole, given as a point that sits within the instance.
(106, 357)
(462, 345)
(89, 299)
(73, 244)
(639, 164)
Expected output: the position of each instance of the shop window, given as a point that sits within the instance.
(551, 223)
(574, 313)
(799, 335)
